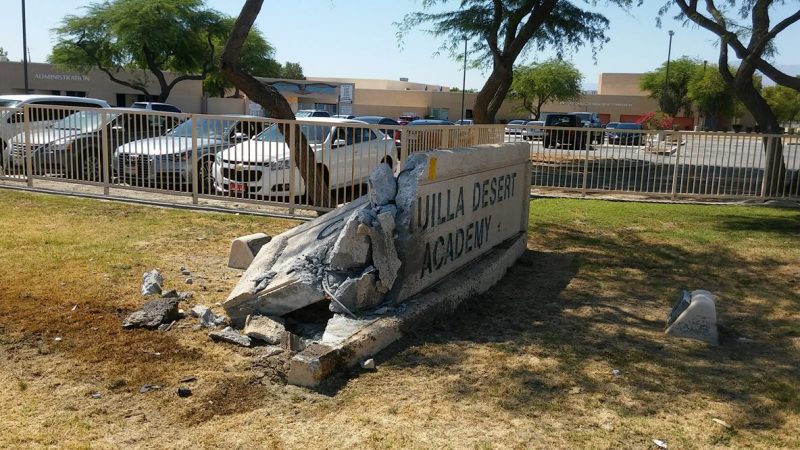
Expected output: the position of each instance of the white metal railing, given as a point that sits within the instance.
(241, 158)
(672, 163)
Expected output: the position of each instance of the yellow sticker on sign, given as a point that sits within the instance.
(431, 169)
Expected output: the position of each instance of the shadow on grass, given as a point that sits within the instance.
(602, 307)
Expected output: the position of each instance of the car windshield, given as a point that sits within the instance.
(583, 116)
(206, 129)
(9, 103)
(85, 121)
(628, 126)
(559, 121)
(316, 134)
(517, 122)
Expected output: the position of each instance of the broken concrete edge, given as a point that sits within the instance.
(245, 248)
(319, 361)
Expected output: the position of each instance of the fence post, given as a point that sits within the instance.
(292, 165)
(675, 167)
(195, 167)
(104, 158)
(587, 146)
(768, 141)
(26, 124)
(404, 150)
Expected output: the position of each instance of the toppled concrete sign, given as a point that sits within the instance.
(445, 210)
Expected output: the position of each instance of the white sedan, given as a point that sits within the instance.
(345, 149)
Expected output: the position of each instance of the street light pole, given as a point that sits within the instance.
(464, 81)
(24, 48)
(666, 78)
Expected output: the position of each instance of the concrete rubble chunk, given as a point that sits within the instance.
(231, 336)
(358, 293)
(207, 317)
(368, 364)
(384, 253)
(153, 313)
(152, 282)
(245, 248)
(694, 316)
(265, 328)
(341, 327)
(351, 249)
(382, 185)
(292, 342)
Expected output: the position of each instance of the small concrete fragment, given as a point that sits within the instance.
(265, 328)
(340, 328)
(351, 248)
(382, 185)
(152, 282)
(368, 364)
(292, 342)
(153, 313)
(231, 336)
(244, 249)
(694, 316)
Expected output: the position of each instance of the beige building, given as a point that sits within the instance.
(48, 80)
(618, 96)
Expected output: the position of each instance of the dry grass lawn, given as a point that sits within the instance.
(527, 365)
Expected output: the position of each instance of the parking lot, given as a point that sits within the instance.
(712, 164)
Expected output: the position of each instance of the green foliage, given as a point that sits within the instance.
(708, 91)
(538, 84)
(676, 97)
(292, 71)
(182, 37)
(256, 59)
(3, 52)
(784, 101)
(501, 31)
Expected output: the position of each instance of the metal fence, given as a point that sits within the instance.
(666, 163)
(231, 157)
(275, 162)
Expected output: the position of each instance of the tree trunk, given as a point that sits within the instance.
(775, 174)
(492, 94)
(275, 104)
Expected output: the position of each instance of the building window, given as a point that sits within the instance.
(76, 93)
(440, 113)
(55, 92)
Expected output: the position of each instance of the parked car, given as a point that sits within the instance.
(533, 130)
(588, 119)
(303, 113)
(564, 138)
(261, 167)
(621, 137)
(407, 118)
(610, 126)
(515, 126)
(380, 120)
(168, 159)
(73, 145)
(11, 120)
(465, 122)
(150, 106)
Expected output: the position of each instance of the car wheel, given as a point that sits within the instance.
(205, 175)
(91, 167)
(546, 143)
(388, 160)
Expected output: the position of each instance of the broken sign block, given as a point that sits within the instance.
(694, 316)
(244, 249)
